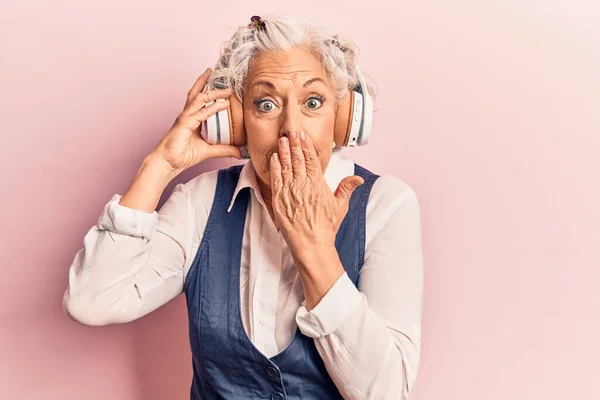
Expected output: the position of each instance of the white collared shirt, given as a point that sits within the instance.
(132, 262)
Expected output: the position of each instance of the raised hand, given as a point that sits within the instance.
(183, 146)
(305, 209)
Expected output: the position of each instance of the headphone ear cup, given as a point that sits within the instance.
(224, 129)
(210, 129)
(236, 122)
(361, 136)
(354, 117)
(343, 120)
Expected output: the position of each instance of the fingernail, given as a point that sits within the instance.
(283, 140)
(292, 135)
(302, 135)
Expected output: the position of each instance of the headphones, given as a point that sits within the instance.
(352, 125)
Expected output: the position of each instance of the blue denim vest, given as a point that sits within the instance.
(226, 365)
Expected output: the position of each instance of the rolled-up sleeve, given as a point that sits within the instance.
(370, 337)
(131, 261)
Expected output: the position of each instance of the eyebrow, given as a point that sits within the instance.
(313, 80)
(272, 86)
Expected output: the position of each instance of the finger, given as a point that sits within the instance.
(198, 85)
(297, 156)
(311, 160)
(285, 160)
(224, 150)
(211, 97)
(275, 172)
(346, 187)
(276, 185)
(204, 113)
(205, 99)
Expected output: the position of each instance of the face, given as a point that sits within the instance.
(287, 91)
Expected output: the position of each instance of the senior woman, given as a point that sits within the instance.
(302, 271)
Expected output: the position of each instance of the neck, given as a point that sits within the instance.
(267, 196)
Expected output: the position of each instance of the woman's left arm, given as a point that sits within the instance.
(368, 337)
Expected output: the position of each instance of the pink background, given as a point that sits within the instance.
(489, 110)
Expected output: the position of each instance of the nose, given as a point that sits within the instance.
(291, 120)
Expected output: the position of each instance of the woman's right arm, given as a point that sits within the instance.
(133, 259)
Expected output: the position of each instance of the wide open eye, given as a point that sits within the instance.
(265, 105)
(314, 103)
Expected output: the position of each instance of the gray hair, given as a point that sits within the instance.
(337, 54)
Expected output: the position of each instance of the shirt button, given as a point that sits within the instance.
(276, 396)
(272, 372)
(263, 320)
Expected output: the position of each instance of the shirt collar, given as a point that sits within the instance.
(337, 169)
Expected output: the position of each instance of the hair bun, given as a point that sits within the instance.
(257, 22)
(334, 41)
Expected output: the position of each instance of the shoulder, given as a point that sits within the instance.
(201, 188)
(392, 201)
(391, 190)
(388, 191)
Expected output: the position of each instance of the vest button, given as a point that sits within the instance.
(276, 396)
(272, 372)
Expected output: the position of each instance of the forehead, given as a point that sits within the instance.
(291, 65)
